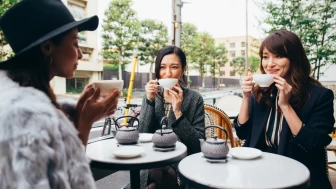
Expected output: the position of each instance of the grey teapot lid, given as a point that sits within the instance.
(127, 129)
(214, 140)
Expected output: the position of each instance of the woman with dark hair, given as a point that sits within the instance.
(183, 107)
(294, 116)
(42, 145)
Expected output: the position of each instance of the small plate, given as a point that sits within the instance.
(245, 153)
(164, 149)
(145, 137)
(128, 151)
(224, 160)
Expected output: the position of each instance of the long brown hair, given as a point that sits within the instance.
(32, 69)
(287, 44)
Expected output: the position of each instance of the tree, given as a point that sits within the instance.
(4, 6)
(253, 63)
(204, 49)
(313, 21)
(239, 65)
(220, 59)
(320, 36)
(120, 32)
(153, 36)
(189, 36)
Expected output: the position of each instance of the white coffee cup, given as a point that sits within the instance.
(263, 80)
(167, 83)
(106, 86)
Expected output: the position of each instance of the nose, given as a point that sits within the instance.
(168, 72)
(80, 54)
(271, 62)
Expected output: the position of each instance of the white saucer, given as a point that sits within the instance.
(163, 149)
(128, 151)
(245, 153)
(145, 137)
(215, 160)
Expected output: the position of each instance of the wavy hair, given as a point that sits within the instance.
(287, 44)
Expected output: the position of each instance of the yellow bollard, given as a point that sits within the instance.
(130, 87)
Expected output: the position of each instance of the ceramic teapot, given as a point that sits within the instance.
(164, 138)
(128, 134)
(214, 148)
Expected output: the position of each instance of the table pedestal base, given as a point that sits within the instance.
(135, 179)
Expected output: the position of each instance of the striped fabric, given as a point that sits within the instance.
(274, 125)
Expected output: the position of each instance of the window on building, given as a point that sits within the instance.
(87, 51)
(76, 85)
(242, 44)
(232, 45)
(77, 9)
(242, 52)
(232, 73)
(232, 54)
(231, 63)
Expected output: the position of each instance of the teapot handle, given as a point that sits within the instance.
(218, 127)
(164, 119)
(131, 121)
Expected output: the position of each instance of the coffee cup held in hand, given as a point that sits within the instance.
(168, 83)
(106, 86)
(263, 80)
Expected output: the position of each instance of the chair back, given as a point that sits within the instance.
(208, 121)
(221, 119)
(229, 103)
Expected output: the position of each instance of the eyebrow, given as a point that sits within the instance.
(170, 63)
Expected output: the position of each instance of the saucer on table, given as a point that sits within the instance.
(145, 137)
(245, 153)
(128, 151)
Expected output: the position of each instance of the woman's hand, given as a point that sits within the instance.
(247, 86)
(152, 89)
(176, 100)
(284, 90)
(87, 93)
(94, 110)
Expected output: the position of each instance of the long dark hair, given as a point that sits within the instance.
(287, 44)
(32, 69)
(170, 49)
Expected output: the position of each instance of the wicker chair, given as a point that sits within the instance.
(221, 119)
(208, 121)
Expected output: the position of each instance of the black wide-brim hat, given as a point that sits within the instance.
(31, 22)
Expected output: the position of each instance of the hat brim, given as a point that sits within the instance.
(88, 24)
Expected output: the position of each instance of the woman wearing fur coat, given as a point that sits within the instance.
(42, 145)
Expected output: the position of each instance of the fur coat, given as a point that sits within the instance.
(39, 146)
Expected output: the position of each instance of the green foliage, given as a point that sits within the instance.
(114, 67)
(189, 37)
(220, 58)
(238, 65)
(253, 63)
(153, 36)
(313, 21)
(204, 49)
(4, 6)
(120, 32)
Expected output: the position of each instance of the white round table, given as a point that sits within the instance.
(267, 171)
(100, 154)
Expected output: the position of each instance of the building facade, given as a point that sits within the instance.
(236, 46)
(90, 67)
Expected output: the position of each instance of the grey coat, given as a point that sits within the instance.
(39, 146)
(189, 127)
